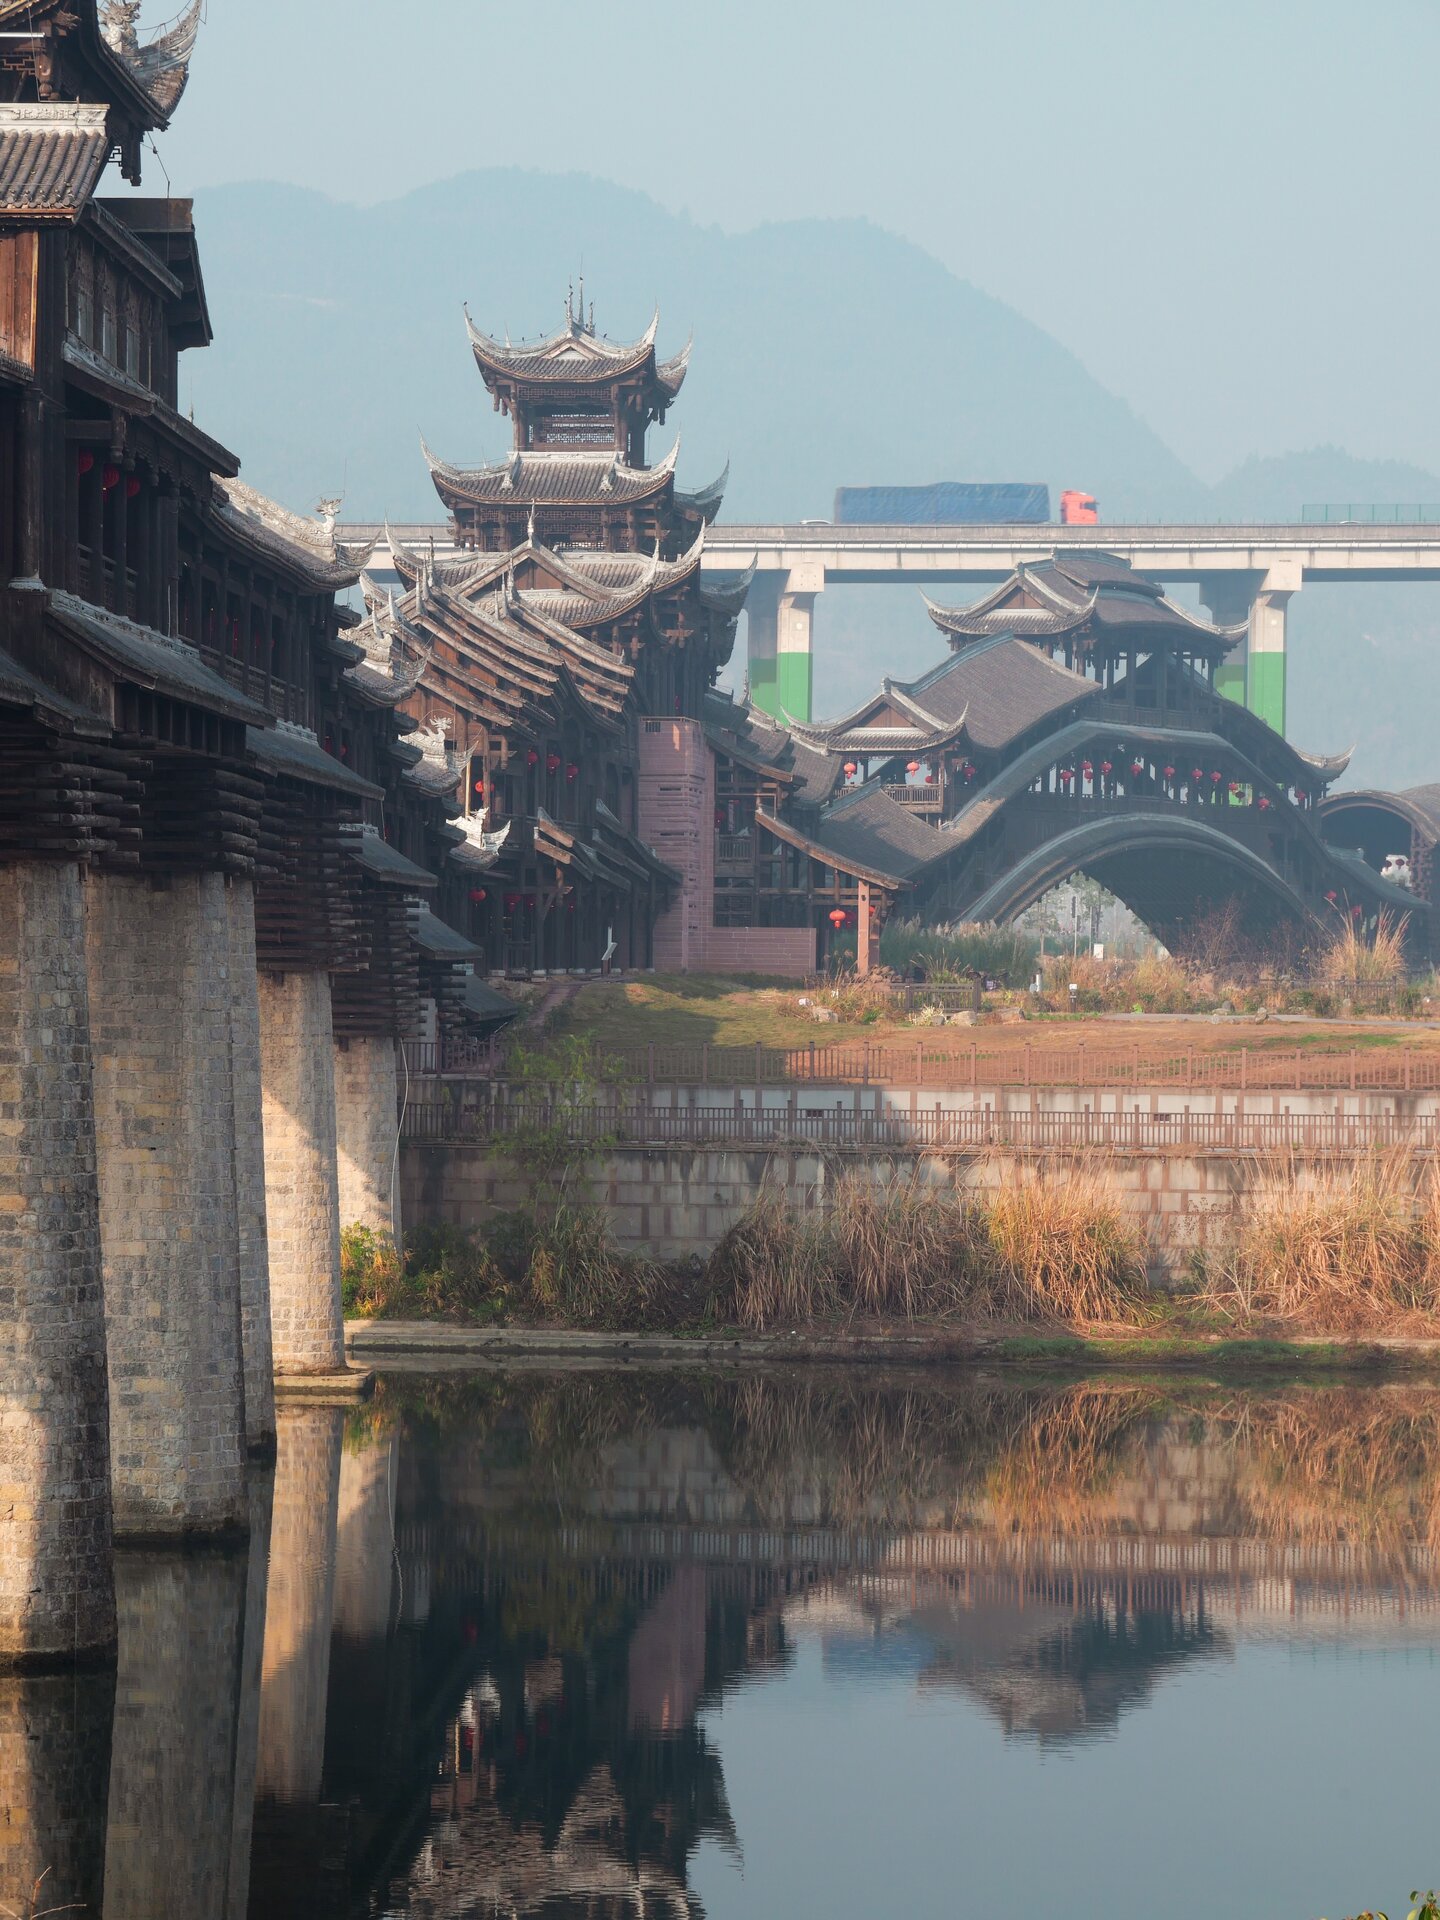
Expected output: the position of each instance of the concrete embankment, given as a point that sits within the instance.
(399, 1345)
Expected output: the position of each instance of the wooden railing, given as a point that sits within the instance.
(918, 799)
(734, 850)
(929, 1064)
(437, 1119)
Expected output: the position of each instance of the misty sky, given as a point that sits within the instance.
(1226, 209)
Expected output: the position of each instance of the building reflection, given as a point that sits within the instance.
(470, 1661)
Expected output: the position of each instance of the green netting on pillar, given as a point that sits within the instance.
(1267, 688)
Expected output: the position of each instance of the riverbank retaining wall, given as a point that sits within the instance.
(678, 1200)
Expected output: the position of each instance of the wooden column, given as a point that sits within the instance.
(862, 930)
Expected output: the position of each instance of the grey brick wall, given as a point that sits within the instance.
(56, 1591)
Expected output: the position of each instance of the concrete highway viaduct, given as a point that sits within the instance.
(1244, 573)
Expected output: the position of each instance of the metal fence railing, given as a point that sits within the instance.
(953, 1064)
(482, 1122)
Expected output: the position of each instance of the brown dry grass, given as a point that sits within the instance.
(1347, 1247)
(1052, 1247)
(1355, 958)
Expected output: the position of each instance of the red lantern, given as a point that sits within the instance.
(479, 786)
(1086, 768)
(531, 757)
(1197, 773)
(110, 478)
(1263, 803)
(552, 761)
(912, 766)
(1106, 766)
(477, 896)
(837, 917)
(84, 461)
(1169, 772)
(1137, 767)
(1355, 913)
(1332, 896)
(132, 486)
(1217, 778)
(1067, 774)
(1234, 786)
(572, 772)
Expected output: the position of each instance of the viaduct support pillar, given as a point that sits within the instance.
(297, 1063)
(1254, 673)
(780, 611)
(57, 1596)
(367, 1107)
(160, 1012)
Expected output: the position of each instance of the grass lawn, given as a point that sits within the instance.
(698, 1010)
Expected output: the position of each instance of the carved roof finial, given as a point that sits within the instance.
(119, 23)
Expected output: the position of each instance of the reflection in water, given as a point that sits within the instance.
(54, 1764)
(509, 1623)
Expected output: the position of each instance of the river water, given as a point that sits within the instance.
(653, 1643)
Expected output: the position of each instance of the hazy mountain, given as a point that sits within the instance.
(826, 353)
(1280, 488)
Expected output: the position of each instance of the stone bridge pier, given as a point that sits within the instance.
(56, 1585)
(367, 1105)
(160, 981)
(297, 1058)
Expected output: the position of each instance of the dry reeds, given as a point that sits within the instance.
(1340, 1247)
(1354, 958)
(1063, 1249)
(1054, 1248)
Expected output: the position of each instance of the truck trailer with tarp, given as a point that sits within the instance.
(948, 503)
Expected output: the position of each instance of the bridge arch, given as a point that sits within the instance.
(1158, 864)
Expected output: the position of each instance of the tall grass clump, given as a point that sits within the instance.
(1058, 1249)
(905, 1248)
(1355, 958)
(774, 1265)
(1062, 1248)
(576, 1270)
(1344, 1246)
(959, 951)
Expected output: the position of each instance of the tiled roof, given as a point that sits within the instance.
(551, 479)
(51, 155)
(294, 753)
(140, 657)
(365, 846)
(306, 546)
(750, 735)
(867, 835)
(574, 356)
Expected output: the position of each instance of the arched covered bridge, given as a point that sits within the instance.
(1077, 726)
